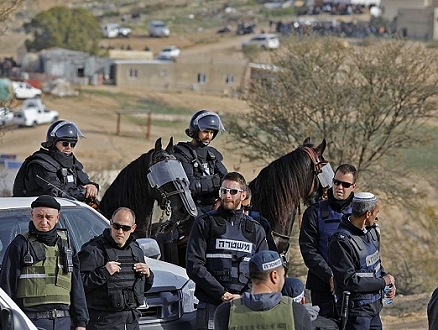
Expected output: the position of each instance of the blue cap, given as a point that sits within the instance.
(294, 288)
(264, 261)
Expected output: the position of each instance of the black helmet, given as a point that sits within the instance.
(62, 130)
(204, 120)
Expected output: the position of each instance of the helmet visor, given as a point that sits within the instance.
(66, 130)
(209, 121)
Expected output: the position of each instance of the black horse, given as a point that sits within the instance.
(154, 176)
(279, 188)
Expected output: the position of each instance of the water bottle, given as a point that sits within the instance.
(387, 301)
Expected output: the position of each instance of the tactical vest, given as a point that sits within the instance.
(124, 289)
(202, 168)
(369, 263)
(279, 317)
(228, 252)
(328, 222)
(66, 179)
(44, 282)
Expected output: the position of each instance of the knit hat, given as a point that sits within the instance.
(265, 260)
(46, 201)
(364, 197)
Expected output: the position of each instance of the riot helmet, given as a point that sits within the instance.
(62, 130)
(204, 120)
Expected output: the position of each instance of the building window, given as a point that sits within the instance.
(202, 78)
(230, 79)
(80, 72)
(133, 74)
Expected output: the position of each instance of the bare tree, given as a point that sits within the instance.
(368, 102)
(6, 8)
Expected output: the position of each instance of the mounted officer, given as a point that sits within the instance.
(54, 170)
(202, 163)
(203, 166)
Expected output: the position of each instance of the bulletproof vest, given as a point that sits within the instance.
(201, 167)
(368, 260)
(44, 281)
(279, 317)
(228, 251)
(206, 182)
(124, 289)
(328, 222)
(66, 179)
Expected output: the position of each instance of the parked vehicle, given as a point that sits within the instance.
(114, 30)
(24, 90)
(6, 117)
(34, 112)
(12, 317)
(171, 51)
(158, 29)
(171, 303)
(263, 41)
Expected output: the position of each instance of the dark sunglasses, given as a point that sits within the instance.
(232, 191)
(344, 184)
(117, 226)
(66, 143)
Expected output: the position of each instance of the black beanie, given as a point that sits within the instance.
(46, 201)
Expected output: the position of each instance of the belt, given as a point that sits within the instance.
(52, 314)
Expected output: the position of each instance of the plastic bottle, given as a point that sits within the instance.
(386, 300)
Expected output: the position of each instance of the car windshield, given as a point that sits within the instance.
(81, 223)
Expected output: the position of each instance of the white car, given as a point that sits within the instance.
(158, 29)
(12, 315)
(114, 30)
(6, 117)
(263, 41)
(24, 90)
(171, 52)
(34, 112)
(171, 302)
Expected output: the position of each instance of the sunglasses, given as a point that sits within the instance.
(344, 184)
(232, 191)
(66, 144)
(117, 226)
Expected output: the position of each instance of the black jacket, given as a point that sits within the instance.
(95, 276)
(64, 173)
(208, 289)
(10, 273)
(319, 272)
(204, 168)
(344, 262)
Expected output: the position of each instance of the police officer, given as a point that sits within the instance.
(320, 221)
(40, 272)
(202, 163)
(354, 256)
(264, 307)
(218, 250)
(54, 170)
(115, 275)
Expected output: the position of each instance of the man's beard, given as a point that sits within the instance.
(230, 205)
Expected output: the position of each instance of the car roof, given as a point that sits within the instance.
(24, 202)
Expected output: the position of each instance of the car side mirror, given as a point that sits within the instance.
(150, 247)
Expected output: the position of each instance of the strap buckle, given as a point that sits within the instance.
(52, 314)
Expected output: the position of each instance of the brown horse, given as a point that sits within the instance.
(280, 187)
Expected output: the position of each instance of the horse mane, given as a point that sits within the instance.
(280, 186)
(131, 189)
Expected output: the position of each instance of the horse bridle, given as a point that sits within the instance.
(317, 165)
